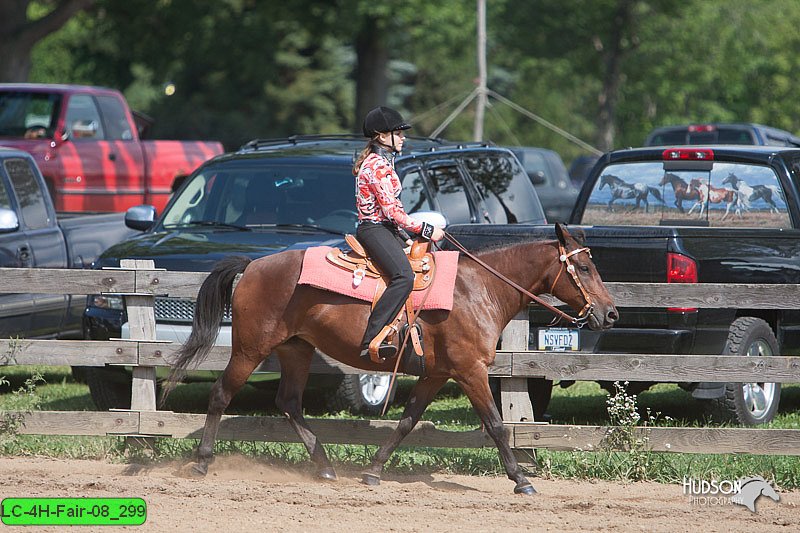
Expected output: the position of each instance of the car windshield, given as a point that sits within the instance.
(268, 195)
(28, 115)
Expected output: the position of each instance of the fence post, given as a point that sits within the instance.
(142, 323)
(514, 399)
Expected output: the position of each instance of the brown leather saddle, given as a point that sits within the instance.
(422, 263)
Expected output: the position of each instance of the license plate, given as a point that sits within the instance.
(559, 339)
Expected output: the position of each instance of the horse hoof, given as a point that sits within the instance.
(327, 474)
(526, 489)
(370, 479)
(199, 470)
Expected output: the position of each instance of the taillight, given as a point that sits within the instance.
(687, 154)
(702, 127)
(681, 269)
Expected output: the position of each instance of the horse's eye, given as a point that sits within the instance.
(584, 268)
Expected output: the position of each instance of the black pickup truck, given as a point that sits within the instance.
(713, 214)
(31, 236)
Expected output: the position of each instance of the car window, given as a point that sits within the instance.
(505, 189)
(28, 115)
(5, 199)
(727, 195)
(535, 165)
(29, 195)
(117, 126)
(83, 118)
(451, 193)
(268, 194)
(414, 197)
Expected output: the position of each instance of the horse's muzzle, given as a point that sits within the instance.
(602, 317)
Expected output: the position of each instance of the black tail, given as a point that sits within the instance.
(655, 192)
(212, 301)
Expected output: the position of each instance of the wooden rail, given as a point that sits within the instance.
(139, 283)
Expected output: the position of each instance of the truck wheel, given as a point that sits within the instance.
(360, 393)
(749, 403)
(110, 387)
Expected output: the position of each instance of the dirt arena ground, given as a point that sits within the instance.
(241, 494)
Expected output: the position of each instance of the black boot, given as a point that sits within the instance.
(385, 351)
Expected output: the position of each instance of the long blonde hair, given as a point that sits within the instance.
(363, 155)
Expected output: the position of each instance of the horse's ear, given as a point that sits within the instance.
(562, 233)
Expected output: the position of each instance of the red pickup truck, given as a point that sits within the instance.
(86, 141)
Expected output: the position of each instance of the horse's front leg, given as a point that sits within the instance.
(295, 357)
(476, 387)
(421, 396)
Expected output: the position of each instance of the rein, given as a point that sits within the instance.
(564, 257)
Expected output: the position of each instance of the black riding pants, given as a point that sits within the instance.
(385, 247)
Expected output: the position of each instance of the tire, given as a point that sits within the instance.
(360, 393)
(110, 387)
(749, 404)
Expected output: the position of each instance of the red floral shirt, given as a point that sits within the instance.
(378, 194)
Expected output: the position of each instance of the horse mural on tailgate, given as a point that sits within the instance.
(722, 194)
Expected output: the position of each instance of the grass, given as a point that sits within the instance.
(583, 403)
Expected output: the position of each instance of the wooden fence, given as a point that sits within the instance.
(139, 283)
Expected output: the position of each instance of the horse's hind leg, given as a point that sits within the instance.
(476, 387)
(421, 396)
(295, 357)
(227, 385)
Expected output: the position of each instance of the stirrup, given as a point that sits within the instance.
(383, 351)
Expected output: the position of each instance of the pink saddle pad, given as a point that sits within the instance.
(319, 272)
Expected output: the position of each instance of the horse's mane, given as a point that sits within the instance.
(670, 176)
(612, 178)
(485, 247)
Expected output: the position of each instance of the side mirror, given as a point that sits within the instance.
(140, 217)
(8, 220)
(431, 217)
(537, 178)
(84, 129)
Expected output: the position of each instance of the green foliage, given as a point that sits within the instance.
(23, 400)
(247, 69)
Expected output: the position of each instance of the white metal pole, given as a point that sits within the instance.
(481, 101)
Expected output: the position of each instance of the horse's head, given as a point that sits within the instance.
(732, 179)
(606, 179)
(577, 283)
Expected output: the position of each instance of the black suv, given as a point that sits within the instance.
(298, 192)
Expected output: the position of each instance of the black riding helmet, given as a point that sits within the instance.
(383, 120)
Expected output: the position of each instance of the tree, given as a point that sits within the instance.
(20, 33)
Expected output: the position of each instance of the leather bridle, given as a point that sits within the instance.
(566, 264)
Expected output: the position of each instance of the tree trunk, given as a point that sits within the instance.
(612, 59)
(18, 35)
(372, 60)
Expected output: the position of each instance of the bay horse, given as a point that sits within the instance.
(681, 189)
(715, 195)
(272, 313)
(621, 189)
